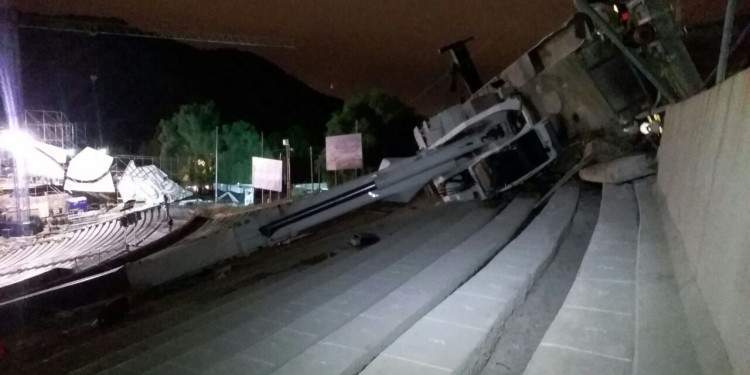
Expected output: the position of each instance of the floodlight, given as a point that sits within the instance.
(16, 141)
(645, 128)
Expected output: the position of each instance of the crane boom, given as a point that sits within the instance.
(98, 28)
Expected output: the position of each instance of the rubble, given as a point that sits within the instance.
(620, 170)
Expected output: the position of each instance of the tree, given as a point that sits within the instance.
(188, 139)
(385, 122)
(238, 142)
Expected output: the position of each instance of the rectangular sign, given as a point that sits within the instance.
(344, 152)
(267, 174)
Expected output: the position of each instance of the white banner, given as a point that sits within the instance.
(267, 174)
(344, 152)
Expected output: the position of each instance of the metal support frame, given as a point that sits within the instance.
(216, 167)
(124, 30)
(640, 63)
(726, 41)
(312, 175)
(51, 127)
(288, 174)
(121, 162)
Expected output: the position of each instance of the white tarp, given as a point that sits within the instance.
(44, 160)
(267, 174)
(149, 184)
(58, 154)
(89, 171)
(89, 165)
(344, 152)
(102, 185)
(38, 165)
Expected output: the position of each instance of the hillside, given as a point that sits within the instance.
(141, 81)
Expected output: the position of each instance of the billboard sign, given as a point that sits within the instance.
(344, 152)
(267, 174)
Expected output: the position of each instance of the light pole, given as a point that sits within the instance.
(262, 154)
(94, 77)
(312, 176)
(278, 196)
(726, 40)
(216, 166)
(356, 131)
(285, 142)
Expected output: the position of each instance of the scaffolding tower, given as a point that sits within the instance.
(51, 127)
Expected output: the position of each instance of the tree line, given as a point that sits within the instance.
(189, 137)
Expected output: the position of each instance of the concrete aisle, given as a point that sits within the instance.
(523, 331)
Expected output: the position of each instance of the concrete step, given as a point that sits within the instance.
(349, 348)
(624, 313)
(593, 333)
(80, 248)
(457, 336)
(202, 325)
(277, 349)
(249, 322)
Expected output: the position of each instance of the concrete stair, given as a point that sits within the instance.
(456, 336)
(80, 248)
(157, 329)
(348, 349)
(623, 314)
(251, 329)
(433, 298)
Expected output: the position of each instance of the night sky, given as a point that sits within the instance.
(348, 46)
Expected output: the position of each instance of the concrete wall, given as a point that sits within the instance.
(704, 174)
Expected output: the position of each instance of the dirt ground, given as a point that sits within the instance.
(69, 341)
(524, 330)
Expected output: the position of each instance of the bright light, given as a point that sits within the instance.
(206, 187)
(617, 10)
(374, 195)
(16, 141)
(645, 128)
(104, 150)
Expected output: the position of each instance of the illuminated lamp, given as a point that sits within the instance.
(16, 141)
(645, 128)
